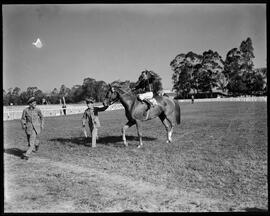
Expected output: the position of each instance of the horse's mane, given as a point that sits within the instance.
(123, 87)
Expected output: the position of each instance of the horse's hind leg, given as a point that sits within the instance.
(170, 132)
(168, 125)
(126, 126)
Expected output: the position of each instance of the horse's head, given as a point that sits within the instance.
(111, 96)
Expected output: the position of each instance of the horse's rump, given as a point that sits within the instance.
(177, 112)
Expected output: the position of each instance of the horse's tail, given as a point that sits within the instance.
(177, 112)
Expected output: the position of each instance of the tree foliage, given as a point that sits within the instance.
(194, 73)
(186, 68)
(89, 88)
(197, 73)
(239, 70)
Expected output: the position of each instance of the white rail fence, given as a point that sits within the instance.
(15, 112)
(235, 99)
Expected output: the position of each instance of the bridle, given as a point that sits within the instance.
(117, 98)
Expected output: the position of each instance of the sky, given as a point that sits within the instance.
(110, 42)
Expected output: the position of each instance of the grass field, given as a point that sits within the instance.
(217, 162)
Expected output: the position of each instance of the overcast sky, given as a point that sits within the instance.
(110, 42)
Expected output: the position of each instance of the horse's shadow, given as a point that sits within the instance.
(117, 140)
(107, 140)
(14, 151)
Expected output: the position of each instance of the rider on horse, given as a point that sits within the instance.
(145, 84)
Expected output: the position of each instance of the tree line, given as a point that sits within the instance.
(77, 94)
(194, 73)
(89, 88)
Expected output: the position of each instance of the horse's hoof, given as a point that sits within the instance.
(139, 146)
(168, 141)
(126, 144)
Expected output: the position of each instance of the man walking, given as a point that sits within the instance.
(33, 123)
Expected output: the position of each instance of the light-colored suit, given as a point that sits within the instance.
(32, 122)
(91, 115)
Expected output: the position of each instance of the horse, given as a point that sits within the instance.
(167, 110)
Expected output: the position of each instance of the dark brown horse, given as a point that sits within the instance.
(168, 110)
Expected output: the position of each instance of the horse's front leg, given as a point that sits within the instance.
(139, 127)
(126, 126)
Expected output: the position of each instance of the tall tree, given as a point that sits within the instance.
(239, 68)
(211, 71)
(185, 72)
(247, 55)
(88, 87)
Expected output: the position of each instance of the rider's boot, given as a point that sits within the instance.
(148, 103)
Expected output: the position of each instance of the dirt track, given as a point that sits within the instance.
(146, 196)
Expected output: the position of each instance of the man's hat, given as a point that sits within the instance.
(89, 100)
(31, 99)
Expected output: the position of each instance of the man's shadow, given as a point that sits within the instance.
(72, 140)
(107, 140)
(14, 151)
(255, 210)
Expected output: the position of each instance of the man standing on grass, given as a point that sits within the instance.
(192, 99)
(33, 123)
(91, 115)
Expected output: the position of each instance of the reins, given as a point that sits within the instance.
(119, 94)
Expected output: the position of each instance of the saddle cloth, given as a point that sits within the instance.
(153, 101)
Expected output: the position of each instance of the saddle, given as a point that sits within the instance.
(153, 103)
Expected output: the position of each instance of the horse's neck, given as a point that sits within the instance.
(127, 100)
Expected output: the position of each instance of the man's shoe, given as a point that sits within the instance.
(36, 148)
